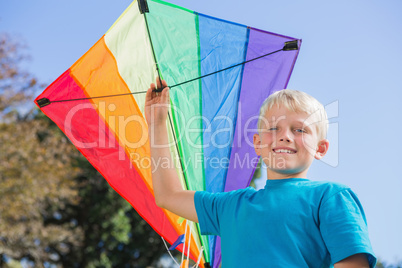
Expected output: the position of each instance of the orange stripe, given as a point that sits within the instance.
(96, 72)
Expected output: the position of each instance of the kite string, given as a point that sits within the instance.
(184, 243)
(199, 258)
(189, 242)
(173, 86)
(189, 229)
(227, 68)
(167, 248)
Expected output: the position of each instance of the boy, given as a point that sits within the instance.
(292, 222)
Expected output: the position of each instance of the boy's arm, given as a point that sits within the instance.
(354, 261)
(168, 191)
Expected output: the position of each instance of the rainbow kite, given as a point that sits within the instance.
(219, 73)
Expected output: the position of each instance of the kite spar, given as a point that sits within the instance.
(219, 73)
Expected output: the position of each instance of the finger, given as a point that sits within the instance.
(165, 95)
(164, 84)
(148, 96)
(158, 82)
(161, 84)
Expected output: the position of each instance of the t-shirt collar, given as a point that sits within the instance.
(283, 181)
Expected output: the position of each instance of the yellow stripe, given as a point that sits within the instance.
(129, 43)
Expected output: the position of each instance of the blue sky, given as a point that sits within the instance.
(350, 60)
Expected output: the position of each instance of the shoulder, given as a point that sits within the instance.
(327, 189)
(328, 185)
(339, 199)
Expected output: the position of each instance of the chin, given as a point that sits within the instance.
(287, 171)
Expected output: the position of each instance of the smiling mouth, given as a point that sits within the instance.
(285, 151)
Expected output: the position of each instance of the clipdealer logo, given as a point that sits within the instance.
(128, 144)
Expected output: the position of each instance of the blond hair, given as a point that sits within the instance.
(297, 101)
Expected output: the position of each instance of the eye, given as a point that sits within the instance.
(300, 130)
(272, 129)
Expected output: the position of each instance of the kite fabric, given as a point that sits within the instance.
(99, 104)
(179, 241)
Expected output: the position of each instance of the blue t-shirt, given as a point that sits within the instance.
(290, 223)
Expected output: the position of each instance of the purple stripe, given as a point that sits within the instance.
(217, 253)
(271, 33)
(260, 78)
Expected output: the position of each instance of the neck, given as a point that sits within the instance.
(274, 175)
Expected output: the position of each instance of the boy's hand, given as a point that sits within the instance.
(168, 191)
(157, 104)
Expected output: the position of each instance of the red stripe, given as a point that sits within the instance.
(81, 123)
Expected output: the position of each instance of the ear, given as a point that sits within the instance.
(322, 149)
(257, 144)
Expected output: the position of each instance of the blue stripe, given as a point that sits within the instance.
(221, 20)
(238, 97)
(222, 44)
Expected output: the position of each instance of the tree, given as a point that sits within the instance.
(16, 86)
(381, 264)
(257, 174)
(114, 234)
(35, 174)
(35, 169)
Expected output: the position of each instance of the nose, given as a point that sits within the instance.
(285, 136)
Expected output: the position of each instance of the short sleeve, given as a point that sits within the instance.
(208, 207)
(343, 227)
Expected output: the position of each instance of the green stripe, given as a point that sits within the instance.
(171, 5)
(174, 38)
(197, 25)
(174, 34)
(204, 238)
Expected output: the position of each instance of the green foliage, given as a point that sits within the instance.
(16, 85)
(257, 174)
(114, 232)
(34, 176)
(381, 264)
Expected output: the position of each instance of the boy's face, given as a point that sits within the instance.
(288, 143)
